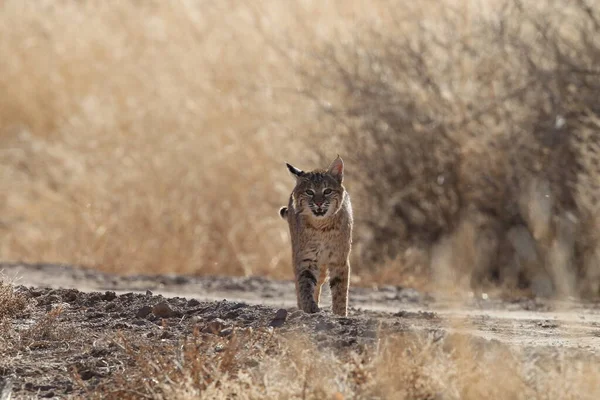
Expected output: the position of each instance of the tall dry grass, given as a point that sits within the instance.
(150, 136)
(261, 365)
(143, 136)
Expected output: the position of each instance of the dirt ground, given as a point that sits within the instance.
(91, 306)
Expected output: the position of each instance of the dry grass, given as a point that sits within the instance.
(150, 136)
(11, 301)
(63, 349)
(259, 364)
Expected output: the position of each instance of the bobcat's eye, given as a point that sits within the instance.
(327, 191)
(310, 192)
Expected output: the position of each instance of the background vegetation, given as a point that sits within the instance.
(150, 136)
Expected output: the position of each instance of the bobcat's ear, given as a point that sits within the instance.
(298, 173)
(336, 169)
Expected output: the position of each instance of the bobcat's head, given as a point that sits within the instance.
(319, 193)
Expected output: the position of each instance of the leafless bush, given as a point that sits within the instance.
(481, 119)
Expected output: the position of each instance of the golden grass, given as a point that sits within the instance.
(260, 364)
(11, 302)
(150, 136)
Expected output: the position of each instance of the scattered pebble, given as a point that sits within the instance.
(193, 303)
(143, 312)
(109, 296)
(215, 326)
(280, 317)
(226, 332)
(163, 310)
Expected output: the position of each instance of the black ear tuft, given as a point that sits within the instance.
(295, 171)
(283, 212)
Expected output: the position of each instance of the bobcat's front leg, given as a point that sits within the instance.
(339, 282)
(322, 278)
(306, 282)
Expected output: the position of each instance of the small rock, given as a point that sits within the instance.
(151, 317)
(192, 303)
(148, 293)
(87, 374)
(70, 295)
(49, 299)
(143, 312)
(166, 335)
(226, 332)
(215, 326)
(163, 310)
(280, 317)
(109, 295)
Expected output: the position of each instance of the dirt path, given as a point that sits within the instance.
(523, 322)
(69, 341)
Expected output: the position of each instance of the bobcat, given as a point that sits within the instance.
(319, 216)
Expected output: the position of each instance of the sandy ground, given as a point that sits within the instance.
(108, 302)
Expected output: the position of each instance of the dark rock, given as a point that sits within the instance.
(166, 335)
(192, 303)
(280, 318)
(143, 312)
(151, 317)
(109, 295)
(226, 332)
(163, 310)
(70, 295)
(87, 374)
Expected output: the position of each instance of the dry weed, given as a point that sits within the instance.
(406, 366)
(150, 137)
(11, 301)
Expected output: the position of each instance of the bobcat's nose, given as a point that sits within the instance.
(318, 203)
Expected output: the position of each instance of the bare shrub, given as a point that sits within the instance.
(472, 118)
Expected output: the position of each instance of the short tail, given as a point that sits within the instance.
(283, 212)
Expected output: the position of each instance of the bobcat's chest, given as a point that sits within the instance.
(327, 247)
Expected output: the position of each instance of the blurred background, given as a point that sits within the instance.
(150, 136)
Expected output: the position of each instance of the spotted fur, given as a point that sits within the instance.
(319, 216)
